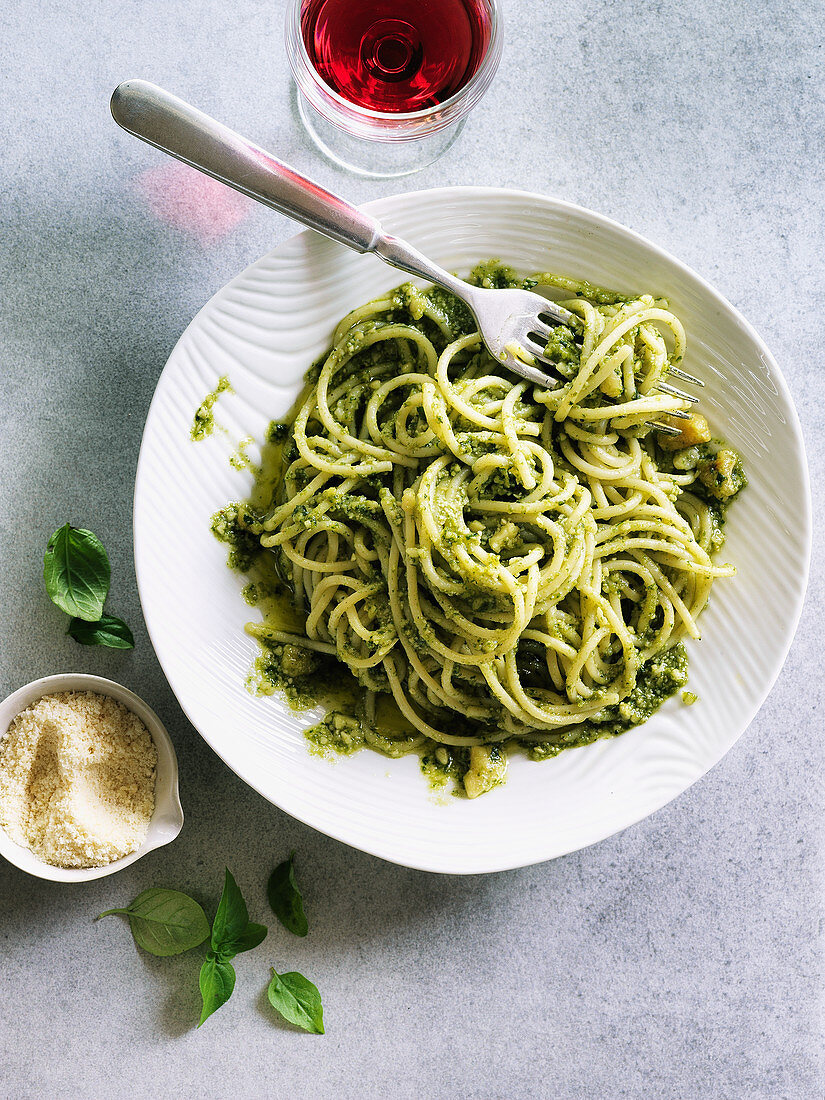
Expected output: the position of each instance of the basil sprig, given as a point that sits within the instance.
(232, 933)
(285, 898)
(167, 922)
(76, 573)
(164, 922)
(296, 999)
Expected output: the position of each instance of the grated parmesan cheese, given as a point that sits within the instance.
(77, 779)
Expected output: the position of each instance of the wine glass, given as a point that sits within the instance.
(384, 86)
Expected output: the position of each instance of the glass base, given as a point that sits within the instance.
(381, 159)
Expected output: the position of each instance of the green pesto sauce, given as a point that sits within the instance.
(454, 312)
(345, 729)
(240, 459)
(444, 764)
(658, 679)
(305, 677)
(493, 274)
(244, 547)
(204, 421)
(438, 769)
(337, 734)
(251, 594)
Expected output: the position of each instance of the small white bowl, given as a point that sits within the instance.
(167, 820)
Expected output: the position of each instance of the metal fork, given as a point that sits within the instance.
(514, 324)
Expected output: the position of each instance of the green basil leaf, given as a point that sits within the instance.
(76, 572)
(231, 918)
(107, 631)
(165, 922)
(297, 1000)
(285, 898)
(252, 936)
(217, 980)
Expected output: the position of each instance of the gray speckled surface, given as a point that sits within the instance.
(682, 958)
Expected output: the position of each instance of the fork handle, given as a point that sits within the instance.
(170, 124)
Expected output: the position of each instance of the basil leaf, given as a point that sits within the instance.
(285, 898)
(107, 631)
(253, 935)
(76, 572)
(297, 1000)
(165, 922)
(231, 919)
(217, 980)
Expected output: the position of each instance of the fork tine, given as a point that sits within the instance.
(665, 429)
(665, 387)
(531, 373)
(558, 314)
(538, 342)
(540, 357)
(540, 327)
(677, 372)
(535, 343)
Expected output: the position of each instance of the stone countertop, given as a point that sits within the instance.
(681, 958)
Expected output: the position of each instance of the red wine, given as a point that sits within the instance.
(395, 55)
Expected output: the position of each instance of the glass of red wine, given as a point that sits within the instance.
(385, 86)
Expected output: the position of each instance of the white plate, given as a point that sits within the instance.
(263, 330)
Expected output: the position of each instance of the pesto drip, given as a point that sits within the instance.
(203, 423)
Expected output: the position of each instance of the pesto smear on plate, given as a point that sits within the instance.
(203, 423)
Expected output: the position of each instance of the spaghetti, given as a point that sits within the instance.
(511, 565)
